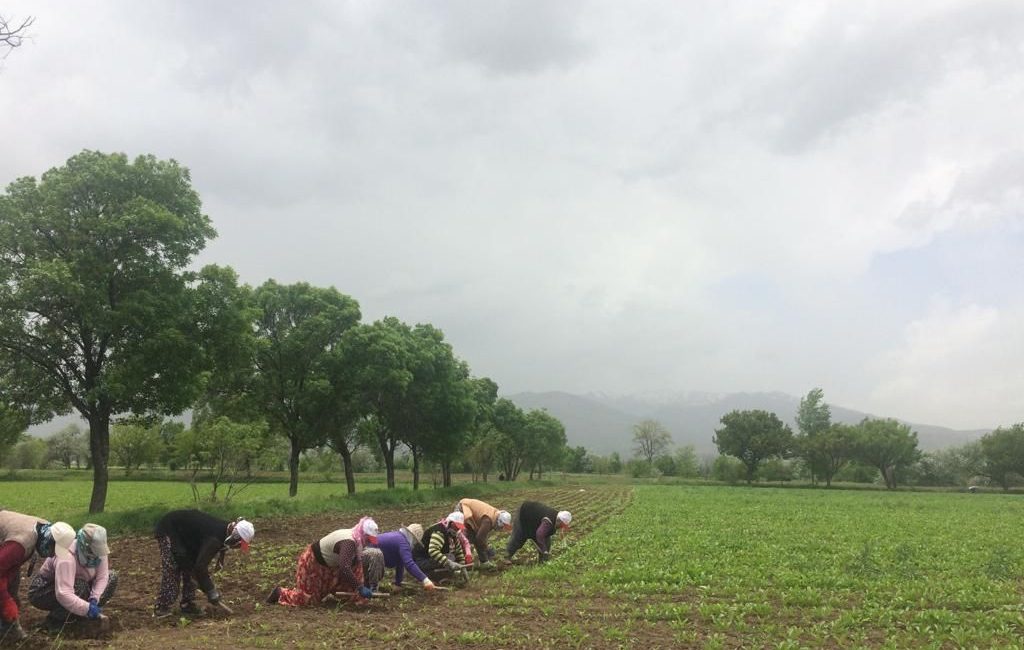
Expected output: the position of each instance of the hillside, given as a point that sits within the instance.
(603, 423)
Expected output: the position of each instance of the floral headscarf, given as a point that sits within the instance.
(363, 531)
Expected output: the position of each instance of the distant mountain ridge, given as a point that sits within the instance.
(603, 423)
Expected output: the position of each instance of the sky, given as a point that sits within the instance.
(592, 196)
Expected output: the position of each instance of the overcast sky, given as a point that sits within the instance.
(598, 196)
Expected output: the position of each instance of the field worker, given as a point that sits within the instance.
(20, 537)
(77, 582)
(189, 540)
(397, 547)
(481, 519)
(373, 568)
(444, 546)
(332, 563)
(538, 523)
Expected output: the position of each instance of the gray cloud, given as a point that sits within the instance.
(591, 196)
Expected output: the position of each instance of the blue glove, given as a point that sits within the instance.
(365, 591)
(490, 554)
(94, 610)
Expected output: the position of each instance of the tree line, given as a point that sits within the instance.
(102, 314)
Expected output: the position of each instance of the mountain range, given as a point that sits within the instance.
(604, 423)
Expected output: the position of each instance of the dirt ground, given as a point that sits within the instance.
(466, 615)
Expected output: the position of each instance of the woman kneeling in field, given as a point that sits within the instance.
(444, 546)
(397, 548)
(538, 523)
(77, 582)
(333, 563)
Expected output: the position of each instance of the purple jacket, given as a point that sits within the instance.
(398, 555)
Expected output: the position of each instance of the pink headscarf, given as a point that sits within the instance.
(362, 530)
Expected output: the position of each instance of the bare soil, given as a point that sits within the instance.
(466, 615)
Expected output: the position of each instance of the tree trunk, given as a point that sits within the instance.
(346, 462)
(293, 468)
(99, 446)
(446, 473)
(387, 452)
(415, 469)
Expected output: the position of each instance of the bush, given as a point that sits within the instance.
(728, 469)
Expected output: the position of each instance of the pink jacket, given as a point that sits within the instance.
(65, 571)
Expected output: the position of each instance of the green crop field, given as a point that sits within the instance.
(733, 567)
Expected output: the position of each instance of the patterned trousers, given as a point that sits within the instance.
(314, 581)
(171, 577)
(43, 595)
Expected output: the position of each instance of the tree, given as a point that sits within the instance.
(1003, 451)
(482, 441)
(753, 436)
(686, 463)
(98, 312)
(133, 445)
(67, 446)
(826, 452)
(28, 453)
(577, 461)
(13, 34)
(546, 440)
(227, 448)
(650, 440)
(510, 423)
(887, 445)
(379, 357)
(813, 419)
(298, 329)
(13, 423)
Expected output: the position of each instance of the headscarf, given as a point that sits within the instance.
(365, 532)
(91, 545)
(45, 545)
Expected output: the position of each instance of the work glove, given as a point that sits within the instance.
(428, 585)
(9, 611)
(213, 596)
(453, 565)
(544, 557)
(490, 554)
(469, 558)
(365, 591)
(94, 610)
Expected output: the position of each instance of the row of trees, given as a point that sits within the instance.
(100, 313)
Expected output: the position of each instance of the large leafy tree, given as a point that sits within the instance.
(650, 440)
(546, 437)
(827, 451)
(1003, 451)
(753, 436)
(380, 358)
(299, 329)
(98, 312)
(888, 445)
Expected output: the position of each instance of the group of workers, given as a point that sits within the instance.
(75, 581)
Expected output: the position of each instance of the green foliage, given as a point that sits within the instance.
(98, 311)
(650, 440)
(728, 469)
(133, 445)
(29, 453)
(951, 466)
(546, 441)
(298, 336)
(753, 436)
(68, 446)
(577, 461)
(1003, 451)
(888, 445)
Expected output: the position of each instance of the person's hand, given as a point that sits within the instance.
(94, 610)
(469, 558)
(428, 585)
(213, 596)
(490, 553)
(365, 591)
(9, 610)
(544, 557)
(453, 565)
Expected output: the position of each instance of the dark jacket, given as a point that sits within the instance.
(531, 514)
(196, 538)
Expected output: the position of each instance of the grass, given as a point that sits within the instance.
(734, 567)
(135, 505)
